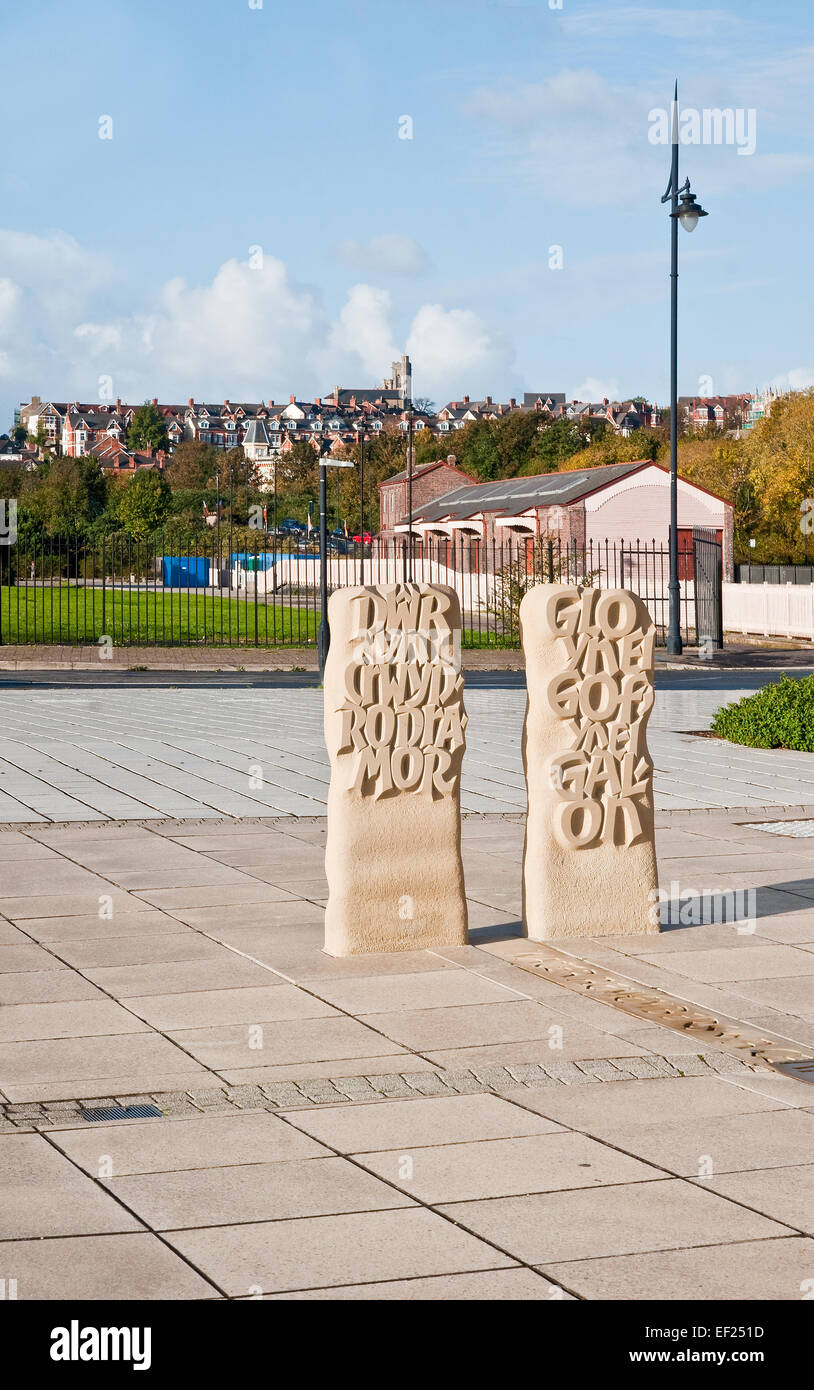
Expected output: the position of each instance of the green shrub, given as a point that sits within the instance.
(781, 715)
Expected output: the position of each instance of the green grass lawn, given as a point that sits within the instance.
(75, 614)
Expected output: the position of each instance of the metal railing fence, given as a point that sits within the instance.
(155, 592)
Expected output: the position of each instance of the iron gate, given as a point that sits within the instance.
(708, 592)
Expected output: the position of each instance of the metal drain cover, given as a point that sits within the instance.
(799, 829)
(800, 1071)
(122, 1112)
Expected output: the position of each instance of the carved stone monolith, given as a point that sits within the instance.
(589, 860)
(394, 727)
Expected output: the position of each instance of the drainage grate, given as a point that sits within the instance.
(122, 1112)
(632, 997)
(799, 829)
(800, 1071)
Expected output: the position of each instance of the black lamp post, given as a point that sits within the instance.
(687, 212)
(324, 632)
(362, 504)
(410, 482)
(275, 501)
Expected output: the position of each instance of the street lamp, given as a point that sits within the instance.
(409, 563)
(360, 433)
(687, 212)
(324, 632)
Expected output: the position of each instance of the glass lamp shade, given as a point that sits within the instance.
(689, 212)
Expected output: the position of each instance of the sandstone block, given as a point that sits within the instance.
(589, 862)
(394, 728)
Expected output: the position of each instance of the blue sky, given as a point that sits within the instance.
(277, 128)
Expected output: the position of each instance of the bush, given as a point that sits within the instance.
(781, 715)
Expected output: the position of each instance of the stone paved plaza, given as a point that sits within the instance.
(450, 1124)
(91, 754)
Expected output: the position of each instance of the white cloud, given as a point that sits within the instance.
(587, 142)
(452, 349)
(795, 379)
(390, 254)
(618, 20)
(574, 135)
(362, 330)
(596, 389)
(251, 333)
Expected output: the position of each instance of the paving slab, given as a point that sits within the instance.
(296, 1040)
(415, 1123)
(605, 1110)
(254, 1192)
(497, 1286)
(48, 930)
(139, 1054)
(396, 992)
(177, 1145)
(45, 987)
(45, 1195)
(701, 1146)
(742, 1270)
(78, 1019)
(544, 1228)
(126, 1268)
(505, 1167)
(274, 1002)
(319, 1252)
(224, 971)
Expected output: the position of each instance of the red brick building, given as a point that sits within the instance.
(430, 480)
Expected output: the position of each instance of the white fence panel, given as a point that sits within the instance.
(771, 610)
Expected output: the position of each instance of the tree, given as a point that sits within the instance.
(148, 429)
(192, 466)
(780, 456)
(144, 503)
(68, 494)
(554, 445)
(617, 448)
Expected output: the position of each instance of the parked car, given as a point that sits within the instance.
(290, 527)
(364, 538)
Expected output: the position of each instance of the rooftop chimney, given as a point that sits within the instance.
(317, 400)
(190, 401)
(292, 399)
(118, 404)
(451, 460)
(466, 400)
(154, 401)
(512, 402)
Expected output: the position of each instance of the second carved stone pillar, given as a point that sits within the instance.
(589, 862)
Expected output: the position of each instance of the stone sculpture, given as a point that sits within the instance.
(394, 727)
(589, 860)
